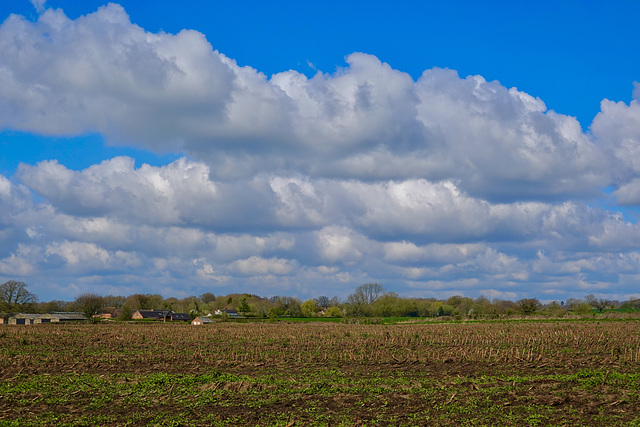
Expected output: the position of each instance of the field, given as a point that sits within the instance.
(295, 374)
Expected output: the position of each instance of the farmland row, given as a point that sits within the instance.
(123, 347)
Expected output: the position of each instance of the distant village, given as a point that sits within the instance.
(109, 314)
(20, 307)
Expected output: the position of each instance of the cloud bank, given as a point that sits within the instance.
(305, 186)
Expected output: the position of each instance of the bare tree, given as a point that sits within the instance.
(598, 303)
(359, 303)
(14, 296)
(370, 292)
(323, 301)
(89, 304)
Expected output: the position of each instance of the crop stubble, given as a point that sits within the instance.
(537, 373)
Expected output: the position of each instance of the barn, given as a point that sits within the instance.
(22, 318)
(60, 317)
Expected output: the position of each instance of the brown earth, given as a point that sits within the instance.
(425, 385)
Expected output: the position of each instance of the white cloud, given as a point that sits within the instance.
(38, 4)
(150, 194)
(256, 266)
(617, 128)
(340, 245)
(437, 186)
(89, 256)
(101, 73)
(18, 264)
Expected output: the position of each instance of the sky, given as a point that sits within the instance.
(305, 148)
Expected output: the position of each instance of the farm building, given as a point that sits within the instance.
(60, 317)
(202, 320)
(33, 318)
(22, 318)
(108, 313)
(163, 315)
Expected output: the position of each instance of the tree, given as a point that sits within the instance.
(125, 313)
(309, 308)
(207, 297)
(632, 304)
(116, 301)
(14, 296)
(554, 309)
(145, 302)
(529, 305)
(50, 306)
(333, 312)
(323, 302)
(582, 309)
(89, 304)
(598, 303)
(360, 302)
(387, 305)
(572, 303)
(370, 291)
(244, 306)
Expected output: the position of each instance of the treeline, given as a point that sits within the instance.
(368, 300)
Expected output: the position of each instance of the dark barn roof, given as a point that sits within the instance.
(180, 316)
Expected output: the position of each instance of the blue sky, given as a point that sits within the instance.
(306, 148)
(571, 54)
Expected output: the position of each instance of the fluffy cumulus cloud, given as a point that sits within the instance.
(367, 121)
(302, 185)
(617, 127)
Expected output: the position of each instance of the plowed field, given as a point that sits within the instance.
(315, 374)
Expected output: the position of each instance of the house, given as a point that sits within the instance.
(146, 314)
(179, 317)
(162, 315)
(201, 320)
(108, 313)
(227, 313)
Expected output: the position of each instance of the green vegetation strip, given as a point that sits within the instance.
(321, 397)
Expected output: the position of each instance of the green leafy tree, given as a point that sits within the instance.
(244, 306)
(125, 313)
(582, 309)
(529, 305)
(333, 312)
(554, 309)
(387, 305)
(309, 308)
